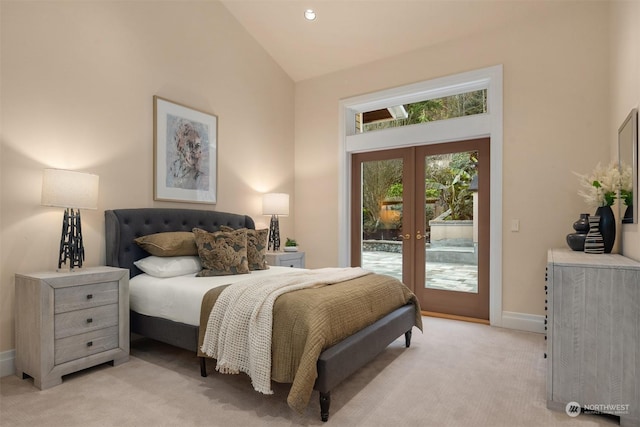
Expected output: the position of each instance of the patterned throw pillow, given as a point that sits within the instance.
(256, 247)
(222, 252)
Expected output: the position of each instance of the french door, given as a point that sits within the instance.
(421, 214)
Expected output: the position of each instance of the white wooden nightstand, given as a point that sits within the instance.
(286, 259)
(68, 321)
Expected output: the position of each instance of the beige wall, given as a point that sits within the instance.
(77, 85)
(556, 95)
(625, 90)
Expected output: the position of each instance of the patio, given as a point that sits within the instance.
(447, 276)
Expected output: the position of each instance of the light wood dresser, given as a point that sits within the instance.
(593, 333)
(68, 321)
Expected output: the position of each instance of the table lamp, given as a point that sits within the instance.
(275, 204)
(73, 191)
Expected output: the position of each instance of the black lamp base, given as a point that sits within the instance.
(71, 247)
(274, 234)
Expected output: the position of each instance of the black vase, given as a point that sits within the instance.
(576, 240)
(582, 224)
(628, 215)
(607, 227)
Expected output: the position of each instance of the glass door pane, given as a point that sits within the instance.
(381, 210)
(450, 222)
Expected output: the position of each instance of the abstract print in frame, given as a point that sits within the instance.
(185, 145)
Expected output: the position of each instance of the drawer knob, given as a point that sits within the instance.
(90, 320)
(90, 296)
(90, 343)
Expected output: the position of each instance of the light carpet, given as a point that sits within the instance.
(455, 374)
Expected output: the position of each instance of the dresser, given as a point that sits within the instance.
(286, 259)
(68, 321)
(593, 333)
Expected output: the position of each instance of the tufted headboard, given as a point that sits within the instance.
(124, 225)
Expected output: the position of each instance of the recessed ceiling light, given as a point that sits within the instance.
(309, 15)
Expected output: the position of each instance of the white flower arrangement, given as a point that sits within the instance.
(601, 187)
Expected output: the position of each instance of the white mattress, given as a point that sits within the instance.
(179, 298)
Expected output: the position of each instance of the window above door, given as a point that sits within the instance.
(423, 111)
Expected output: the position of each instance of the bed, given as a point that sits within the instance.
(334, 363)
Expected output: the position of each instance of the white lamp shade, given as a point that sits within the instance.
(69, 189)
(275, 204)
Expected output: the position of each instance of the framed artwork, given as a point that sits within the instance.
(185, 143)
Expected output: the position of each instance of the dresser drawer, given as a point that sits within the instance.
(78, 346)
(87, 320)
(86, 296)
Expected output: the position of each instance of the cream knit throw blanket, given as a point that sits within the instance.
(238, 332)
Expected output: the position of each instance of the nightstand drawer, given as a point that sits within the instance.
(83, 345)
(286, 259)
(86, 296)
(87, 320)
(292, 262)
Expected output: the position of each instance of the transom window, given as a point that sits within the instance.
(429, 110)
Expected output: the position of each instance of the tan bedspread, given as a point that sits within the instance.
(308, 321)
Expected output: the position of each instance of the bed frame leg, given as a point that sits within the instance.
(407, 338)
(325, 401)
(203, 367)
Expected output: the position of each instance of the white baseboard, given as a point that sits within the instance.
(7, 366)
(523, 322)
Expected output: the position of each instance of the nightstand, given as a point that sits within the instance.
(68, 321)
(286, 259)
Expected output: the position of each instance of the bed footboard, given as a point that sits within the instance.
(343, 359)
(337, 363)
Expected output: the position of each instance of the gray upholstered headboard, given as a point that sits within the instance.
(124, 225)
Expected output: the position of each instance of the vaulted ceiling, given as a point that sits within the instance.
(347, 33)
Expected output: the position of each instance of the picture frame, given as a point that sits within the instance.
(185, 145)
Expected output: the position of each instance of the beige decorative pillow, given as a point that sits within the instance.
(174, 243)
(256, 247)
(222, 252)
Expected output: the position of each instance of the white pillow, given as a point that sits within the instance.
(169, 266)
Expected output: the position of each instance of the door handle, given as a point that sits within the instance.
(419, 236)
(405, 236)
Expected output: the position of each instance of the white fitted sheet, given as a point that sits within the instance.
(179, 298)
